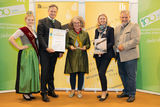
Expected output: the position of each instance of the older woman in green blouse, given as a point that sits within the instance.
(77, 43)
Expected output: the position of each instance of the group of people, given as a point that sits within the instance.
(122, 44)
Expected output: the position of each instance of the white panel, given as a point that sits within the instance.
(133, 7)
(82, 9)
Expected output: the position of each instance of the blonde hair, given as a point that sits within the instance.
(78, 18)
(100, 16)
(28, 14)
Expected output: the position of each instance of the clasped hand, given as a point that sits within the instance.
(73, 48)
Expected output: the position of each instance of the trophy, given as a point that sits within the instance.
(77, 43)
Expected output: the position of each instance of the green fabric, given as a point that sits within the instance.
(29, 71)
(77, 60)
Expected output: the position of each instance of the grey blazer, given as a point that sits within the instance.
(129, 37)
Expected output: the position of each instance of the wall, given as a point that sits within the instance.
(133, 6)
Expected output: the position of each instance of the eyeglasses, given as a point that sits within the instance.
(76, 23)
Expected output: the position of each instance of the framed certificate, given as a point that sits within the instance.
(100, 46)
(57, 39)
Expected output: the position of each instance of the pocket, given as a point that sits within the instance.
(127, 36)
(127, 32)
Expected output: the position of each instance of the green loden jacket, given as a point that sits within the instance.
(77, 60)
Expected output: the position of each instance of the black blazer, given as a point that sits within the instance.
(43, 31)
(110, 39)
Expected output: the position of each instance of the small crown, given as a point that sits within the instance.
(29, 12)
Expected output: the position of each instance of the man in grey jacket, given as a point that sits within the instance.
(127, 36)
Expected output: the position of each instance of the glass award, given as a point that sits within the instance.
(77, 43)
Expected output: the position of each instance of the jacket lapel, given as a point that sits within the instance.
(50, 23)
(127, 28)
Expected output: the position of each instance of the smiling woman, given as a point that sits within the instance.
(77, 43)
(27, 81)
(103, 33)
(29, 19)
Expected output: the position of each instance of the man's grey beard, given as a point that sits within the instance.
(124, 24)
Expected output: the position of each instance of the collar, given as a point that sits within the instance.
(123, 26)
(79, 31)
(53, 20)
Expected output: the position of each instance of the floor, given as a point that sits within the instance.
(88, 100)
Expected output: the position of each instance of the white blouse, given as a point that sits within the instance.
(19, 33)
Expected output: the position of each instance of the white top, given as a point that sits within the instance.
(19, 33)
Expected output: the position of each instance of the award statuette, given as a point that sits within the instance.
(77, 43)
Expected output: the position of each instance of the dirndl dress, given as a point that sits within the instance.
(27, 71)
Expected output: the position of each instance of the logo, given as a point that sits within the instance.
(151, 18)
(12, 10)
(39, 6)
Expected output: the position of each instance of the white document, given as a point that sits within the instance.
(57, 39)
(100, 46)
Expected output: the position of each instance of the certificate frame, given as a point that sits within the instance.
(100, 46)
(57, 39)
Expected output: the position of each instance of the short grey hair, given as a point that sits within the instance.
(126, 12)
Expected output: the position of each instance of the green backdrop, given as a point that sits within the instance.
(148, 76)
(12, 14)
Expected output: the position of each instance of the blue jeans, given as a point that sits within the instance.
(127, 71)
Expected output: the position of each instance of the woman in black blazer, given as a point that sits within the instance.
(103, 59)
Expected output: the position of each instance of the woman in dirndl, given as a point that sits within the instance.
(27, 81)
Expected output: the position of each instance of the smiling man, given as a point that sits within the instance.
(127, 36)
(48, 56)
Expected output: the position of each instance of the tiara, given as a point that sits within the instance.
(29, 13)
